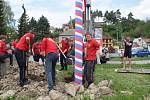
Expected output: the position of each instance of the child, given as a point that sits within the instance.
(122, 55)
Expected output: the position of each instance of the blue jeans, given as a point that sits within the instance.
(50, 63)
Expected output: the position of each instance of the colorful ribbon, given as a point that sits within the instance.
(79, 42)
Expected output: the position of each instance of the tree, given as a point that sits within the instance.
(130, 17)
(106, 17)
(58, 30)
(118, 15)
(43, 25)
(100, 14)
(2, 18)
(112, 17)
(9, 15)
(117, 26)
(23, 23)
(32, 25)
(96, 14)
(93, 15)
(73, 23)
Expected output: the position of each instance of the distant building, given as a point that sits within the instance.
(68, 33)
(107, 41)
(66, 27)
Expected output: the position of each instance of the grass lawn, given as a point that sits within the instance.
(139, 84)
(133, 58)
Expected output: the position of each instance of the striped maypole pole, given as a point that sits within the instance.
(78, 42)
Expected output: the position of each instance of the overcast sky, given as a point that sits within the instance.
(58, 11)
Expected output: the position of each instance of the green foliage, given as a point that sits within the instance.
(9, 15)
(72, 22)
(43, 25)
(118, 27)
(33, 25)
(23, 23)
(96, 13)
(6, 18)
(55, 34)
(24, 98)
(60, 30)
(11, 98)
(2, 18)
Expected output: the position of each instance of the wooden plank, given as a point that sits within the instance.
(139, 71)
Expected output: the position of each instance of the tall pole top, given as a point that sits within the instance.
(88, 3)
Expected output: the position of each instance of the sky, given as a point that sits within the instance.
(58, 12)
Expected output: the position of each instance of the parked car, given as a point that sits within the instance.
(140, 53)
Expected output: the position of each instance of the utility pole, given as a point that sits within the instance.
(88, 22)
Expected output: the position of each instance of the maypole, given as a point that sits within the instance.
(78, 42)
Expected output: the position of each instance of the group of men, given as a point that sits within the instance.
(47, 49)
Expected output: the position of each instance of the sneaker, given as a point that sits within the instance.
(55, 87)
(22, 84)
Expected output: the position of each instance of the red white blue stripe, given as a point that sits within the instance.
(79, 42)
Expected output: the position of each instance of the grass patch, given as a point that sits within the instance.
(139, 84)
(133, 58)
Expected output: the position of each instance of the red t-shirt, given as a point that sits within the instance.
(65, 46)
(36, 47)
(91, 47)
(22, 44)
(49, 46)
(14, 43)
(3, 48)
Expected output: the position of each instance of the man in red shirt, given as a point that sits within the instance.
(14, 43)
(36, 50)
(20, 53)
(49, 49)
(65, 48)
(4, 52)
(91, 47)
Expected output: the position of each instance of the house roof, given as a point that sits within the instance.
(69, 32)
(107, 37)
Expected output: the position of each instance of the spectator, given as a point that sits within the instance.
(127, 52)
(91, 48)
